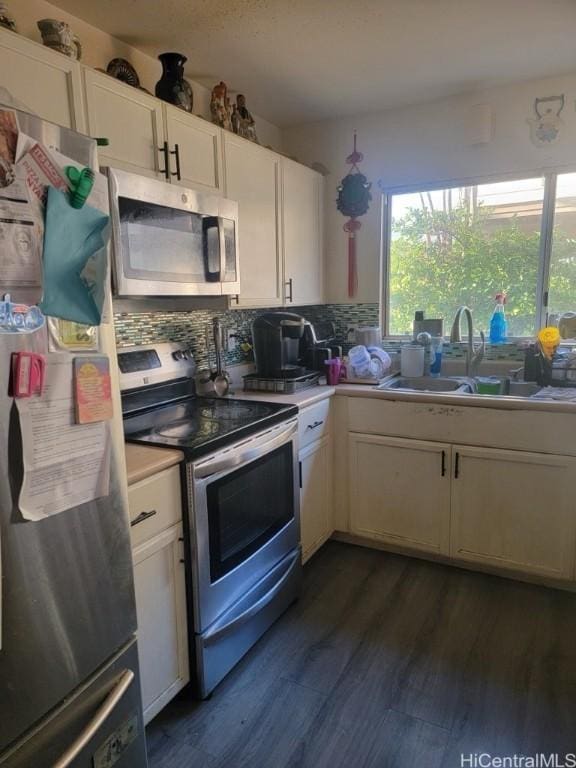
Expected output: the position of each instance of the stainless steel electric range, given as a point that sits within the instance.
(241, 520)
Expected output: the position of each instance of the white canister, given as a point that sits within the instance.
(412, 360)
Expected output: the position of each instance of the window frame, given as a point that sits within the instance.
(550, 176)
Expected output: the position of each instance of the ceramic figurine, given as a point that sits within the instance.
(235, 119)
(246, 124)
(172, 87)
(220, 106)
(58, 36)
(6, 19)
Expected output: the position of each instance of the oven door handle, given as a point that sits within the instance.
(242, 455)
(218, 632)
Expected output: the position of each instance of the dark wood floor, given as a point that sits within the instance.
(389, 661)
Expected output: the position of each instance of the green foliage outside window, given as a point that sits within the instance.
(442, 259)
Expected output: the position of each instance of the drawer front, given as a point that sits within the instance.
(314, 423)
(155, 504)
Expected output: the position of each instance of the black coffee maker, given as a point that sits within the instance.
(276, 338)
(318, 345)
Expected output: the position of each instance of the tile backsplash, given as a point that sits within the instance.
(190, 327)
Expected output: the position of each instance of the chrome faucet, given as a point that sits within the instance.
(473, 356)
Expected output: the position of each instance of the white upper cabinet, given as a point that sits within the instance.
(302, 208)
(252, 179)
(199, 150)
(49, 84)
(130, 119)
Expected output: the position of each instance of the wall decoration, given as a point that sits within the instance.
(172, 87)
(220, 108)
(545, 127)
(242, 121)
(353, 201)
(58, 36)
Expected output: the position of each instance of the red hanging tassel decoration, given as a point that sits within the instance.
(351, 227)
(353, 201)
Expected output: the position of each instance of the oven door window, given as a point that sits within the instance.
(247, 507)
(167, 244)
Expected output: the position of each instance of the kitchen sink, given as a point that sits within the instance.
(523, 388)
(452, 384)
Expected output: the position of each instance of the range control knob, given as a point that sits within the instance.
(178, 355)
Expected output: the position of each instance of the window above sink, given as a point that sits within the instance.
(462, 244)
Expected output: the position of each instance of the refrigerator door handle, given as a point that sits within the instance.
(97, 721)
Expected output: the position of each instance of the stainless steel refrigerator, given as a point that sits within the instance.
(69, 682)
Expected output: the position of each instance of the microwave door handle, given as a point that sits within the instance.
(212, 275)
(222, 242)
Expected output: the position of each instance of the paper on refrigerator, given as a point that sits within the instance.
(65, 464)
(21, 225)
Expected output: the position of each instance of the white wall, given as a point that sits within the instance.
(99, 48)
(425, 144)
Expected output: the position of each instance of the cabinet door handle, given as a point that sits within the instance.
(176, 153)
(457, 466)
(166, 170)
(443, 463)
(300, 473)
(290, 295)
(315, 425)
(143, 516)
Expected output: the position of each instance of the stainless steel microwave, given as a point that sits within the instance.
(171, 241)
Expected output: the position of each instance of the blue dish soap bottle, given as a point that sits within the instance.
(498, 324)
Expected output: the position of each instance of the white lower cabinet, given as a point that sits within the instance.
(514, 509)
(159, 582)
(400, 491)
(316, 524)
(506, 509)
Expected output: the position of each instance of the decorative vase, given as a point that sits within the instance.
(58, 36)
(6, 19)
(172, 87)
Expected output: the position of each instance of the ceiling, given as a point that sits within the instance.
(304, 60)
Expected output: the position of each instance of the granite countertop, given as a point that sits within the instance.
(143, 460)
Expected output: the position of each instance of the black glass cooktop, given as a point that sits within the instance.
(199, 425)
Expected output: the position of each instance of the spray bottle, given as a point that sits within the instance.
(498, 324)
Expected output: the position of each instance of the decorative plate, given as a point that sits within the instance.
(124, 71)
